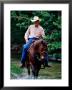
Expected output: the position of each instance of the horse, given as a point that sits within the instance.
(36, 56)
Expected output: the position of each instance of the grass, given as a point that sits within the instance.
(53, 72)
(15, 69)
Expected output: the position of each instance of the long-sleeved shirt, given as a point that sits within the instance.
(33, 31)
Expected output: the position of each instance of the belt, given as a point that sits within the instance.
(33, 38)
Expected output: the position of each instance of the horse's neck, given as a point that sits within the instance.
(36, 44)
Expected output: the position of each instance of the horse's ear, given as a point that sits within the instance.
(44, 43)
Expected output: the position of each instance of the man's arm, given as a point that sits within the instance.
(43, 33)
(27, 34)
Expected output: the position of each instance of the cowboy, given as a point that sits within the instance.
(33, 32)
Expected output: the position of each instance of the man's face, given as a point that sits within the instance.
(37, 23)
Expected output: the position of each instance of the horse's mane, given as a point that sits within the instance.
(37, 43)
(40, 41)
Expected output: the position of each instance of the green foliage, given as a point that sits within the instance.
(51, 22)
(15, 69)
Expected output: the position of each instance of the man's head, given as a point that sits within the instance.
(37, 23)
(36, 20)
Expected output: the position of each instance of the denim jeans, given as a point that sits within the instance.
(25, 49)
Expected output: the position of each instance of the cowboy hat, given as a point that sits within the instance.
(35, 18)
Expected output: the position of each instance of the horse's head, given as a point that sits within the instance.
(41, 48)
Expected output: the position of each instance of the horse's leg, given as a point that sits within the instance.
(36, 74)
(32, 63)
(37, 69)
(28, 65)
(28, 68)
(44, 64)
(33, 70)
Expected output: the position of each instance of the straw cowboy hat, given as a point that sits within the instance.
(35, 18)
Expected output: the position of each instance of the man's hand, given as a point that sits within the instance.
(26, 40)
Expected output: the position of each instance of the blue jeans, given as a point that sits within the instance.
(25, 49)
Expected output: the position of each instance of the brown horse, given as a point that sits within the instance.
(36, 55)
